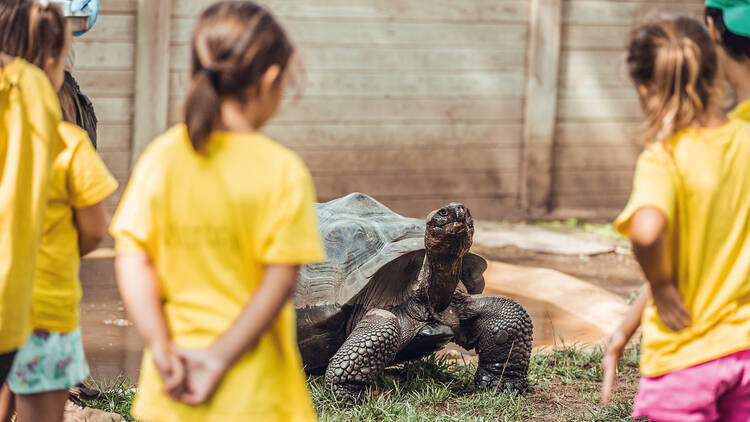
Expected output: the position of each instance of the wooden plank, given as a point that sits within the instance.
(406, 34)
(494, 207)
(101, 83)
(379, 85)
(370, 59)
(447, 10)
(601, 108)
(596, 157)
(604, 206)
(592, 181)
(613, 37)
(113, 110)
(114, 137)
(587, 73)
(597, 133)
(541, 104)
(350, 110)
(396, 135)
(455, 159)
(151, 73)
(118, 162)
(117, 6)
(99, 55)
(623, 13)
(410, 184)
(113, 27)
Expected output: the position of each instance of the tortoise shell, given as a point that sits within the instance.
(374, 256)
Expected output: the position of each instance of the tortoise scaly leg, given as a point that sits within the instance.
(501, 332)
(369, 348)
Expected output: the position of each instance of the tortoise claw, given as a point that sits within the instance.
(491, 377)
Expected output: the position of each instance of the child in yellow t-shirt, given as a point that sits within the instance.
(687, 220)
(52, 359)
(29, 116)
(210, 234)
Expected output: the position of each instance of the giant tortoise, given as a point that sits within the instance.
(394, 289)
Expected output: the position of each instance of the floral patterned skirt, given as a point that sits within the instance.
(48, 361)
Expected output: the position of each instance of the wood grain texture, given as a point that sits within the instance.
(415, 184)
(384, 84)
(151, 73)
(408, 159)
(353, 110)
(541, 104)
(442, 10)
(613, 12)
(385, 58)
(387, 33)
(395, 135)
(103, 56)
(596, 133)
(117, 6)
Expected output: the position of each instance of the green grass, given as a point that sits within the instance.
(564, 387)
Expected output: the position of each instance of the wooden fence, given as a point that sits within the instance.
(516, 108)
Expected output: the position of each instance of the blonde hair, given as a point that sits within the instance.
(675, 60)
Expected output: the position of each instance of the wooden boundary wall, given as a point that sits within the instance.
(514, 107)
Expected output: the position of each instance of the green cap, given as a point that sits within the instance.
(736, 15)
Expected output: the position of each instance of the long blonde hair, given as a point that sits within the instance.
(675, 60)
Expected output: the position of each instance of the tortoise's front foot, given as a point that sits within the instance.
(363, 356)
(491, 377)
(503, 333)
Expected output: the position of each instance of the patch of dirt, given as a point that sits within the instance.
(561, 401)
(615, 272)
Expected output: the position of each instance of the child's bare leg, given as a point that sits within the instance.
(7, 404)
(41, 407)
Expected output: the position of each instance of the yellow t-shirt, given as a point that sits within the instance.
(78, 179)
(210, 222)
(741, 111)
(702, 188)
(29, 115)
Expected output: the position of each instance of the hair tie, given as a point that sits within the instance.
(212, 74)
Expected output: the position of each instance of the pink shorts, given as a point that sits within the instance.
(714, 390)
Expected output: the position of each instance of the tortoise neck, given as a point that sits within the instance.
(442, 274)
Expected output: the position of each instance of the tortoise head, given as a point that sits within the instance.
(449, 230)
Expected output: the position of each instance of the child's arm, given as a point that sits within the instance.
(140, 291)
(647, 234)
(91, 224)
(206, 367)
(618, 340)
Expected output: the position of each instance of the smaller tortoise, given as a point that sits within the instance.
(395, 289)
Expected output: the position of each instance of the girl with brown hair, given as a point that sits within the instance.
(687, 221)
(210, 234)
(52, 359)
(29, 116)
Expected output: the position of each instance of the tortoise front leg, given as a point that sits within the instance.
(501, 331)
(369, 348)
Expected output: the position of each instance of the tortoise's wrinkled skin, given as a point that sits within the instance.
(395, 289)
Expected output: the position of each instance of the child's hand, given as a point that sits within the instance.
(205, 371)
(670, 306)
(611, 358)
(171, 368)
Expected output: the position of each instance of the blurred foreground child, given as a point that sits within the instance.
(728, 24)
(210, 233)
(687, 220)
(52, 359)
(29, 118)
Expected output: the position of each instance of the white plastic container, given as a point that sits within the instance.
(78, 21)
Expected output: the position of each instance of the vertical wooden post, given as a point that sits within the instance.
(543, 60)
(151, 73)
